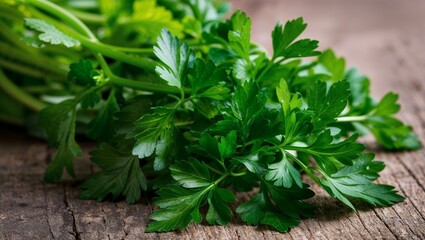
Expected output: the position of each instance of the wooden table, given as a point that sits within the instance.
(384, 38)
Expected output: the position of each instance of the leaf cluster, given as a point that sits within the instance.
(202, 113)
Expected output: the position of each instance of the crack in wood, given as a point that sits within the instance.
(69, 209)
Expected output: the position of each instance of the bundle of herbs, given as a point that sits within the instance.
(181, 102)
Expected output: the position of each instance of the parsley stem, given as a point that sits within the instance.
(112, 52)
(100, 49)
(303, 166)
(27, 71)
(17, 93)
(237, 174)
(62, 14)
(352, 118)
(215, 170)
(87, 17)
(39, 61)
(220, 179)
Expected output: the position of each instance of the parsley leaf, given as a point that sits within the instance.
(177, 59)
(101, 127)
(327, 104)
(60, 132)
(277, 207)
(239, 36)
(218, 211)
(191, 174)
(283, 173)
(150, 127)
(334, 65)
(205, 75)
(82, 72)
(50, 34)
(148, 19)
(356, 182)
(378, 116)
(180, 204)
(283, 38)
(120, 175)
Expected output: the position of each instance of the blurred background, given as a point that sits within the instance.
(375, 36)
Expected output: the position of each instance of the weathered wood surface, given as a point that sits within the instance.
(384, 38)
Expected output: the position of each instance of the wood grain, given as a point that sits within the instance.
(385, 39)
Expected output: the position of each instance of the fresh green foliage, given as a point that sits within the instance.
(356, 182)
(60, 132)
(283, 41)
(176, 58)
(50, 34)
(120, 175)
(181, 101)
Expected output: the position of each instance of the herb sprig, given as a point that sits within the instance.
(182, 102)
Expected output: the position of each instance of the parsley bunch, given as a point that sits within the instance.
(182, 102)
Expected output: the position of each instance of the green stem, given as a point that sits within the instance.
(238, 174)
(64, 15)
(98, 48)
(10, 88)
(216, 182)
(90, 18)
(112, 52)
(38, 61)
(303, 166)
(11, 36)
(144, 86)
(26, 70)
(352, 118)
(215, 170)
(147, 51)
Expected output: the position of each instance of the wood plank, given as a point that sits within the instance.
(383, 37)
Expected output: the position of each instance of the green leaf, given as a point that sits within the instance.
(266, 208)
(120, 175)
(210, 147)
(334, 65)
(217, 92)
(218, 211)
(205, 75)
(58, 122)
(256, 161)
(101, 128)
(179, 207)
(301, 48)
(356, 182)
(177, 59)
(297, 124)
(190, 173)
(90, 100)
(283, 173)
(388, 105)
(148, 19)
(327, 104)
(50, 34)
(206, 107)
(150, 129)
(379, 118)
(245, 105)
(228, 145)
(239, 36)
(283, 38)
(330, 154)
(82, 73)
(359, 89)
